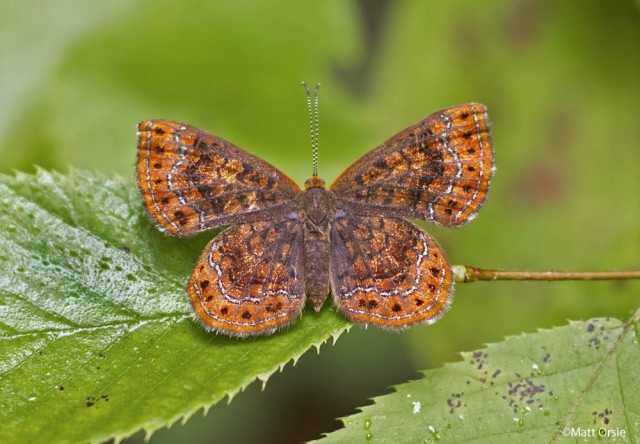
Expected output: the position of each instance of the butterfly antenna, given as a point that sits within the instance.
(313, 123)
(317, 130)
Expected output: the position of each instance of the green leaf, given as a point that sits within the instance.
(555, 385)
(96, 340)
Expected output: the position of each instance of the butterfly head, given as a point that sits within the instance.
(314, 182)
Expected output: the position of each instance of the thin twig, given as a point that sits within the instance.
(464, 273)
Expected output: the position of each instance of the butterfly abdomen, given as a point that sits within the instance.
(316, 268)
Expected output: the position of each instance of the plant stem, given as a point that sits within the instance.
(464, 273)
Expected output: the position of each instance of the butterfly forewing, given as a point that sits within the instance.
(387, 272)
(438, 170)
(192, 181)
(249, 279)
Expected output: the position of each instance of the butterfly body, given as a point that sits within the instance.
(317, 209)
(284, 245)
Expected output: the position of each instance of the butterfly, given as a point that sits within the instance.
(284, 245)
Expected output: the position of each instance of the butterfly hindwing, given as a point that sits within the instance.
(387, 272)
(249, 279)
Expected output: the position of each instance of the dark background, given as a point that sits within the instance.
(561, 81)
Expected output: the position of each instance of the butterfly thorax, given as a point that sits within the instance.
(317, 210)
(317, 205)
